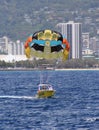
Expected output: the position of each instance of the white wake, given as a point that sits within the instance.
(18, 97)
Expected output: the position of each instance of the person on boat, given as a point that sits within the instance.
(50, 87)
(43, 87)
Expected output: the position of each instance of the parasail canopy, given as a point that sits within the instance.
(47, 44)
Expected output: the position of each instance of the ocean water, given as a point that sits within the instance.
(75, 105)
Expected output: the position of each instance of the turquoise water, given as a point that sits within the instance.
(75, 105)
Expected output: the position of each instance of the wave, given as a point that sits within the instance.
(92, 119)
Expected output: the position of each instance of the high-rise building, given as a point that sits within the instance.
(4, 45)
(9, 47)
(73, 33)
(16, 48)
(85, 40)
(93, 46)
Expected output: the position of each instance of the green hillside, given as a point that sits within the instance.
(19, 18)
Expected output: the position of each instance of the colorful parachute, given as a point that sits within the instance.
(47, 44)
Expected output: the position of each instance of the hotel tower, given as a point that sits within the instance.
(73, 33)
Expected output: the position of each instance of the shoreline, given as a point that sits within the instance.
(77, 69)
(37, 69)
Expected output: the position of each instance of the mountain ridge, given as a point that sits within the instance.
(20, 18)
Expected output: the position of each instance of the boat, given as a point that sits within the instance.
(45, 91)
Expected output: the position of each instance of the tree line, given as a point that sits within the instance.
(73, 63)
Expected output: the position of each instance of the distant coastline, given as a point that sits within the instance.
(78, 69)
(35, 69)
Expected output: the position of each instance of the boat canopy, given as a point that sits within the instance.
(47, 85)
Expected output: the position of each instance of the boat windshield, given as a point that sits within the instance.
(45, 87)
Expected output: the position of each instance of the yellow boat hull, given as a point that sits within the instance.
(45, 93)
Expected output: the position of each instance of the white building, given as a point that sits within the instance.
(85, 40)
(9, 47)
(11, 51)
(16, 48)
(87, 51)
(4, 44)
(73, 32)
(12, 58)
